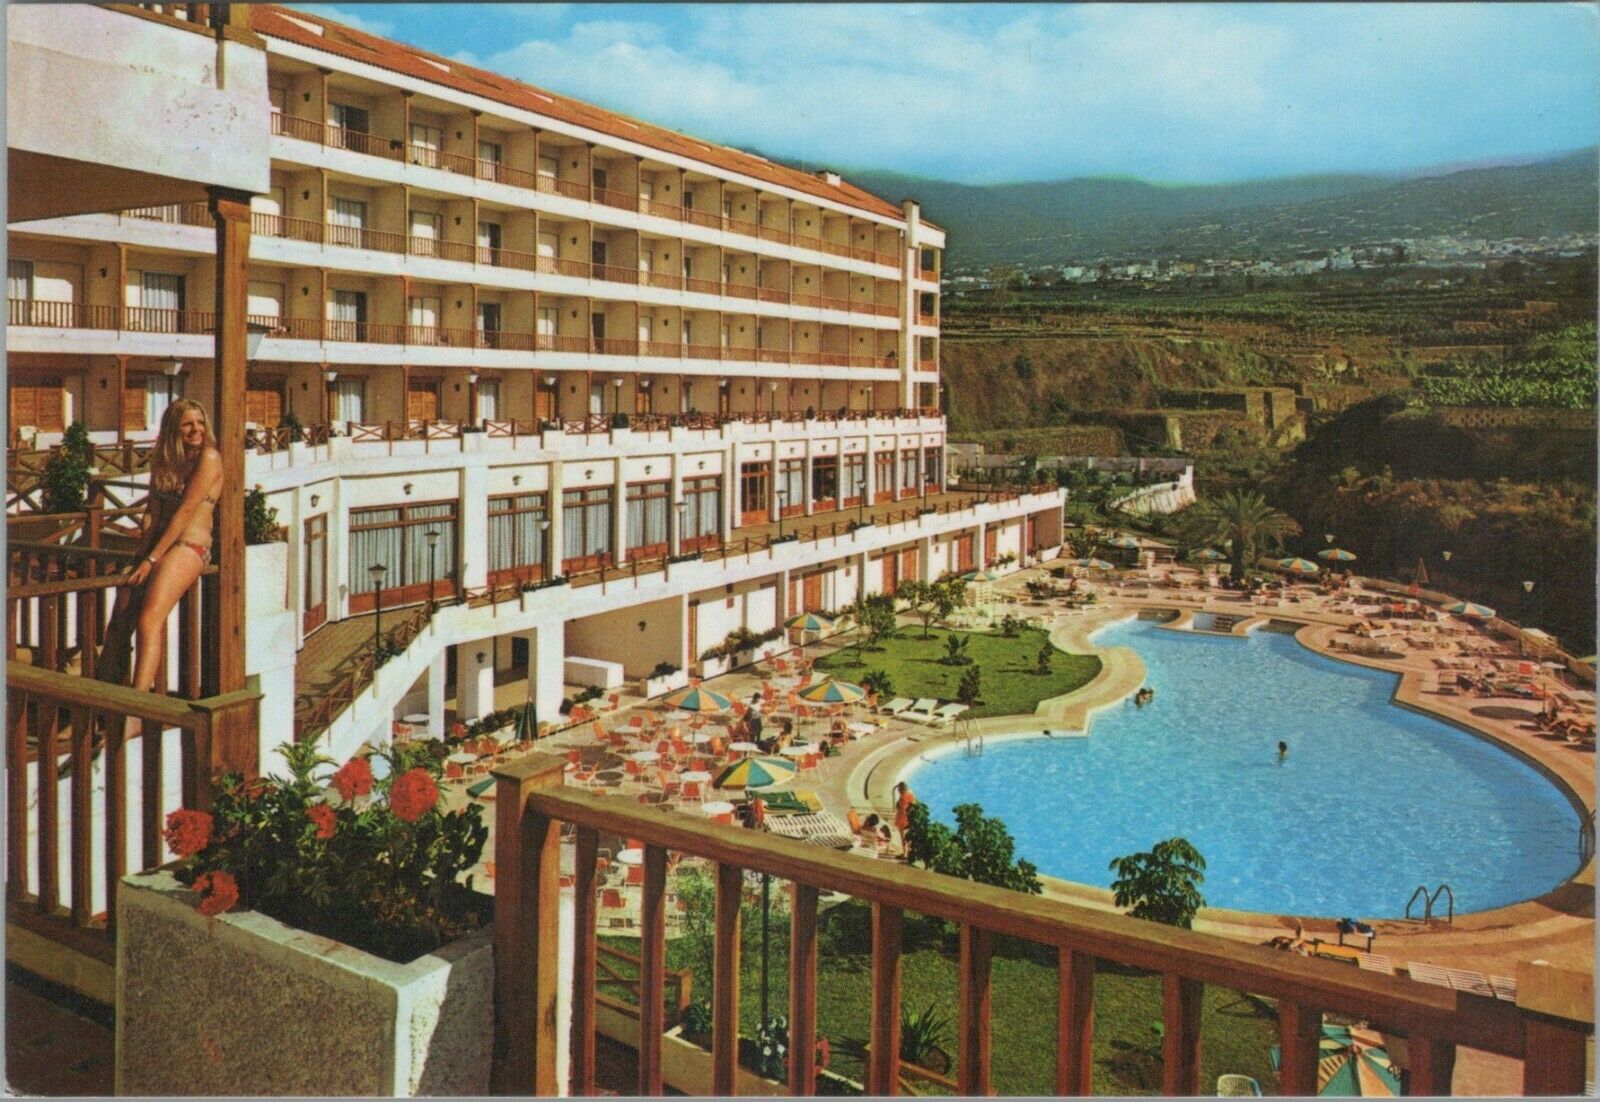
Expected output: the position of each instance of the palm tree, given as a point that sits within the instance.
(1243, 517)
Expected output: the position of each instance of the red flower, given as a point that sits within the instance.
(458, 730)
(413, 794)
(188, 832)
(353, 779)
(322, 816)
(220, 891)
(824, 1052)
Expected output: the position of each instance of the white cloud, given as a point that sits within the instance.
(1032, 91)
(350, 17)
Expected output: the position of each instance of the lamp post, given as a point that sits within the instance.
(1527, 587)
(472, 399)
(782, 496)
(683, 510)
(544, 540)
(432, 536)
(376, 572)
(616, 400)
(1444, 575)
(861, 498)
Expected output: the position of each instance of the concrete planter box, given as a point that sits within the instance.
(712, 667)
(655, 686)
(241, 1004)
(472, 441)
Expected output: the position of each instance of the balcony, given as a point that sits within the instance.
(394, 149)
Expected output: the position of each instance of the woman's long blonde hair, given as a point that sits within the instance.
(170, 463)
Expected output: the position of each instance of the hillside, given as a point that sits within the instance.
(1082, 219)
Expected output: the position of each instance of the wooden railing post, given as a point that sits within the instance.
(652, 965)
(883, 1066)
(1299, 1037)
(1431, 1065)
(1180, 1041)
(583, 961)
(1557, 1007)
(82, 815)
(972, 1040)
(725, 983)
(1074, 1024)
(802, 989)
(527, 930)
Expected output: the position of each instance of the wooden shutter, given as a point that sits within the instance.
(50, 400)
(264, 406)
(24, 405)
(133, 407)
(543, 408)
(422, 402)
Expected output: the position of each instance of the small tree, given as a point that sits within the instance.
(949, 594)
(65, 479)
(980, 848)
(878, 681)
(1043, 667)
(876, 617)
(967, 691)
(1163, 884)
(955, 650)
(920, 596)
(698, 927)
(260, 519)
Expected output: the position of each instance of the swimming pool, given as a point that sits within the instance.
(1372, 801)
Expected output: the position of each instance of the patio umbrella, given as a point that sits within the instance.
(1298, 566)
(1422, 572)
(832, 692)
(1208, 554)
(527, 724)
(1126, 543)
(698, 699)
(1352, 1063)
(1467, 608)
(808, 621)
(756, 773)
(1337, 554)
(1095, 564)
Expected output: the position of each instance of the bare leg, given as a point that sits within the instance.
(170, 580)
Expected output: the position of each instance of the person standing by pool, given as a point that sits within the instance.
(1283, 752)
(904, 798)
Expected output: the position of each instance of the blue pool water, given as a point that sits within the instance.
(1372, 801)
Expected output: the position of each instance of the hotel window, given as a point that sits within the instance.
(19, 280)
(489, 160)
(883, 472)
(908, 470)
(791, 485)
(265, 302)
(586, 517)
(160, 391)
(397, 538)
(701, 513)
(425, 142)
(648, 504)
(349, 401)
(488, 242)
(547, 321)
(516, 540)
(488, 325)
(427, 227)
(160, 302)
(488, 400)
(348, 118)
(423, 319)
(347, 316)
(930, 466)
(825, 478)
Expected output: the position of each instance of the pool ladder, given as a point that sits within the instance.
(1430, 899)
(972, 739)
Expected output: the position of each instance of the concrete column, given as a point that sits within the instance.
(619, 515)
(978, 542)
(925, 558)
(805, 475)
(554, 512)
(436, 676)
(546, 656)
(474, 563)
(872, 472)
(782, 602)
(474, 680)
(674, 515)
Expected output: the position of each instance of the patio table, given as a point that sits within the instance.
(645, 757)
(745, 747)
(631, 857)
(720, 811)
(800, 750)
(695, 775)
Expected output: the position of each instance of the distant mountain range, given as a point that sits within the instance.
(1067, 221)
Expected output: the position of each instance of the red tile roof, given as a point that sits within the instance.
(278, 22)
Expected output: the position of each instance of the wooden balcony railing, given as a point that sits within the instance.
(534, 806)
(621, 200)
(554, 185)
(314, 713)
(174, 214)
(927, 319)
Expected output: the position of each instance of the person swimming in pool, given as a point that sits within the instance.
(1283, 751)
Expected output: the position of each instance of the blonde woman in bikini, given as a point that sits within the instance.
(185, 482)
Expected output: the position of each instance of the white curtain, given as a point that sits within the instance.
(160, 391)
(515, 538)
(442, 559)
(375, 546)
(647, 518)
(349, 400)
(489, 400)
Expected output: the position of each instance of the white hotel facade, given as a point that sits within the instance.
(563, 342)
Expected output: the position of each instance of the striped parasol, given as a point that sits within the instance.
(698, 699)
(808, 621)
(1352, 1063)
(1298, 566)
(1337, 554)
(832, 692)
(1208, 554)
(1126, 543)
(1095, 564)
(756, 773)
(1467, 608)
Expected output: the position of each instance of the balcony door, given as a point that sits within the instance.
(423, 319)
(160, 301)
(348, 219)
(347, 316)
(488, 400)
(422, 400)
(426, 229)
(755, 493)
(263, 403)
(597, 253)
(425, 142)
(488, 243)
(488, 324)
(38, 405)
(350, 125)
(316, 573)
(490, 155)
(349, 401)
(160, 391)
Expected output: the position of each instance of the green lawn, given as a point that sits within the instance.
(1236, 1032)
(1009, 680)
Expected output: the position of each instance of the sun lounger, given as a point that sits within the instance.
(896, 706)
(1237, 1086)
(1374, 962)
(1475, 982)
(1428, 973)
(945, 713)
(922, 709)
(1504, 988)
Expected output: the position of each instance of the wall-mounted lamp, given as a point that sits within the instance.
(482, 657)
(549, 380)
(329, 376)
(104, 272)
(701, 465)
(472, 378)
(407, 489)
(316, 499)
(588, 474)
(647, 468)
(103, 382)
(516, 480)
(641, 625)
(172, 368)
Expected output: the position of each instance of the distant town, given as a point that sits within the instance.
(1444, 251)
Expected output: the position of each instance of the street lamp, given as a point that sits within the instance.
(1445, 573)
(544, 541)
(683, 509)
(782, 497)
(432, 536)
(861, 498)
(376, 572)
(616, 401)
(1527, 587)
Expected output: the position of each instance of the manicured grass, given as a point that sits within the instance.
(1236, 1032)
(1009, 680)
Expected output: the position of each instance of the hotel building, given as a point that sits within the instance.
(498, 336)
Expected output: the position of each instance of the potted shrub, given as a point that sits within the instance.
(300, 908)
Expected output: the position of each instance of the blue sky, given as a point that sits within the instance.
(986, 93)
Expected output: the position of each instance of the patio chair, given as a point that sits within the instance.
(896, 706)
(1237, 1086)
(922, 709)
(611, 898)
(943, 714)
